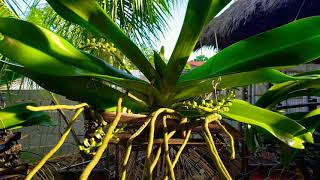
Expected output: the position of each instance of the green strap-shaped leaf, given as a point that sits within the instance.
(146, 91)
(159, 63)
(286, 90)
(90, 15)
(283, 46)
(46, 53)
(85, 89)
(278, 98)
(43, 51)
(18, 115)
(282, 127)
(76, 87)
(36, 61)
(187, 89)
(296, 115)
(197, 17)
(311, 120)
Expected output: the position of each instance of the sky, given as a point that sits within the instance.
(171, 37)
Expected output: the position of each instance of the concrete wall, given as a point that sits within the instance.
(38, 140)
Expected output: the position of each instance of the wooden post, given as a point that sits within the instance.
(244, 148)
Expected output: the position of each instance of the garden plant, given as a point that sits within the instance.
(171, 99)
(284, 91)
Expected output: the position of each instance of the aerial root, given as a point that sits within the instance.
(148, 172)
(129, 147)
(150, 165)
(150, 162)
(151, 120)
(156, 158)
(233, 153)
(170, 169)
(212, 148)
(181, 148)
(56, 107)
(110, 133)
(56, 147)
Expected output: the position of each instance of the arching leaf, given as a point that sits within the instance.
(311, 120)
(85, 89)
(282, 127)
(43, 51)
(283, 46)
(90, 15)
(286, 90)
(187, 89)
(19, 116)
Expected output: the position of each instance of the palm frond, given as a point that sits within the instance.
(6, 10)
(143, 20)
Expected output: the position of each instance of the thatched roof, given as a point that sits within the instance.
(245, 18)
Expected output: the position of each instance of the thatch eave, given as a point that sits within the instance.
(245, 18)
